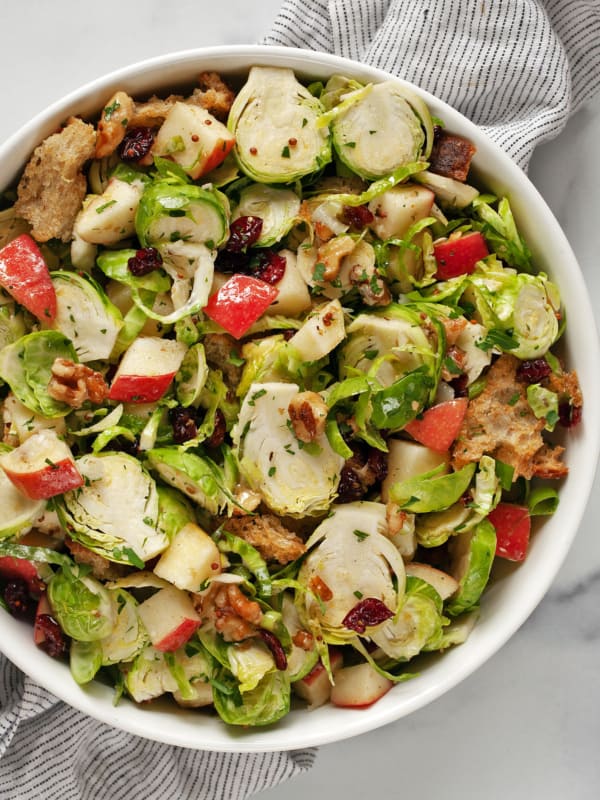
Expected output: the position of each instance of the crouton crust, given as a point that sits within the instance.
(268, 534)
(218, 348)
(102, 568)
(451, 156)
(52, 188)
(213, 95)
(499, 422)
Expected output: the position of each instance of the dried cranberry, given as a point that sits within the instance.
(17, 599)
(54, 642)
(136, 144)
(367, 612)
(460, 385)
(377, 465)
(218, 435)
(227, 261)
(275, 647)
(534, 370)
(350, 487)
(184, 424)
(357, 217)
(145, 260)
(268, 266)
(569, 416)
(243, 233)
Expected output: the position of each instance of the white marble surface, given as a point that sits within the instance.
(525, 725)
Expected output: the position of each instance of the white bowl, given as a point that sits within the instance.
(514, 593)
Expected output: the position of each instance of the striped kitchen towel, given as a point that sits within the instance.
(517, 68)
(49, 751)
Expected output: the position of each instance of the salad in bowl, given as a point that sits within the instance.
(282, 386)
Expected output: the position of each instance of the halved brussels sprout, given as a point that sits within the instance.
(26, 365)
(349, 559)
(523, 306)
(128, 636)
(417, 626)
(390, 343)
(148, 676)
(199, 478)
(116, 488)
(381, 131)
(169, 212)
(292, 477)
(84, 608)
(263, 705)
(86, 315)
(277, 207)
(291, 144)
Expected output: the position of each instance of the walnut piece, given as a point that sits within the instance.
(308, 414)
(73, 384)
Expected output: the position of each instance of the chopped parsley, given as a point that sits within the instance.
(360, 535)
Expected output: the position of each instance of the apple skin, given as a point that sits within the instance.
(170, 618)
(139, 388)
(178, 637)
(42, 484)
(146, 370)
(359, 686)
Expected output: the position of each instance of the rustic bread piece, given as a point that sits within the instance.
(212, 94)
(268, 534)
(53, 185)
(102, 568)
(451, 156)
(500, 423)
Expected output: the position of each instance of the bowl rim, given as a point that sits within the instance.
(328, 724)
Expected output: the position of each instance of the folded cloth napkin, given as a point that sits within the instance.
(518, 68)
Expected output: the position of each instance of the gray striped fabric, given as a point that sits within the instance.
(49, 751)
(516, 67)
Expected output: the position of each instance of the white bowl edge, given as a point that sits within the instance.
(508, 604)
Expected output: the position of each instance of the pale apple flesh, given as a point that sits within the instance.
(359, 686)
(316, 687)
(191, 558)
(170, 618)
(146, 370)
(42, 467)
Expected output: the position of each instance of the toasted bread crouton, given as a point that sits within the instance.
(499, 422)
(53, 185)
(102, 568)
(270, 537)
(113, 123)
(219, 348)
(212, 94)
(566, 386)
(451, 156)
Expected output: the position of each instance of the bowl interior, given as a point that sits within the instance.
(513, 594)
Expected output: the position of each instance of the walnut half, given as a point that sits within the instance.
(73, 384)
